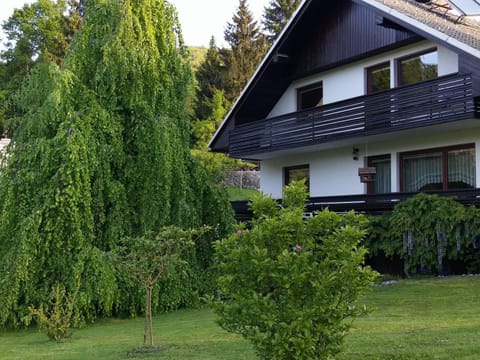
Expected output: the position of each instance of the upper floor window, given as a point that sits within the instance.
(378, 78)
(310, 96)
(297, 173)
(419, 67)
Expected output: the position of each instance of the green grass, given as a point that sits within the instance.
(434, 318)
(235, 193)
(185, 334)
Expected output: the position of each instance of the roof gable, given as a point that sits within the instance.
(324, 34)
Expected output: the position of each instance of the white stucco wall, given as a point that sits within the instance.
(447, 61)
(350, 80)
(335, 172)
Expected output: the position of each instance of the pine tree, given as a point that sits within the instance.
(276, 16)
(248, 46)
(100, 152)
(211, 77)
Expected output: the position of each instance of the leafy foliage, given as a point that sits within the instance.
(425, 230)
(149, 259)
(290, 283)
(58, 320)
(100, 151)
(36, 33)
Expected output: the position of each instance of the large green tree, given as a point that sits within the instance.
(100, 152)
(276, 16)
(211, 77)
(248, 46)
(37, 32)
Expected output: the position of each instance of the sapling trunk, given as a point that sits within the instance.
(145, 328)
(148, 329)
(150, 319)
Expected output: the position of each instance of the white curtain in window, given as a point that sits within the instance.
(461, 168)
(383, 177)
(422, 172)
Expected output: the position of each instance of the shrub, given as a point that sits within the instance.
(290, 283)
(57, 318)
(425, 230)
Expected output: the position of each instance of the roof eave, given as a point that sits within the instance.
(266, 59)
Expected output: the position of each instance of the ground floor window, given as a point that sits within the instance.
(438, 169)
(296, 173)
(383, 175)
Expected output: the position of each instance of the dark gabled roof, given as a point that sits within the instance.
(430, 22)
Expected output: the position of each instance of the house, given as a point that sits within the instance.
(370, 101)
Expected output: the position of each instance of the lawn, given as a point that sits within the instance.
(235, 193)
(434, 318)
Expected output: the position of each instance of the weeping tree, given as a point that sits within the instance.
(100, 152)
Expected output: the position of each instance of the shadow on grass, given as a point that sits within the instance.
(147, 350)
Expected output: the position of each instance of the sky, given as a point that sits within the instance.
(200, 19)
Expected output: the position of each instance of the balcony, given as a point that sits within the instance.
(373, 204)
(445, 99)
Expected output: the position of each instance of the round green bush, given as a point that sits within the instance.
(290, 283)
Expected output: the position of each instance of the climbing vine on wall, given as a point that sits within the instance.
(426, 231)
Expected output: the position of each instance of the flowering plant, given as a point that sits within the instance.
(289, 283)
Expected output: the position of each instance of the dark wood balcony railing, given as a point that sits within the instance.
(367, 204)
(444, 99)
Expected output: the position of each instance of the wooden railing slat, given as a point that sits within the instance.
(440, 100)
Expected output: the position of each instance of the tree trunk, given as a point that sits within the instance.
(150, 322)
(145, 327)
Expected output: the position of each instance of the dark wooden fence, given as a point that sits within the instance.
(444, 99)
(367, 204)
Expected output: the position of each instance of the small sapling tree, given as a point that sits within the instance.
(57, 317)
(148, 259)
(290, 283)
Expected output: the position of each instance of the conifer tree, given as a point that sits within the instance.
(276, 16)
(100, 152)
(248, 46)
(211, 78)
